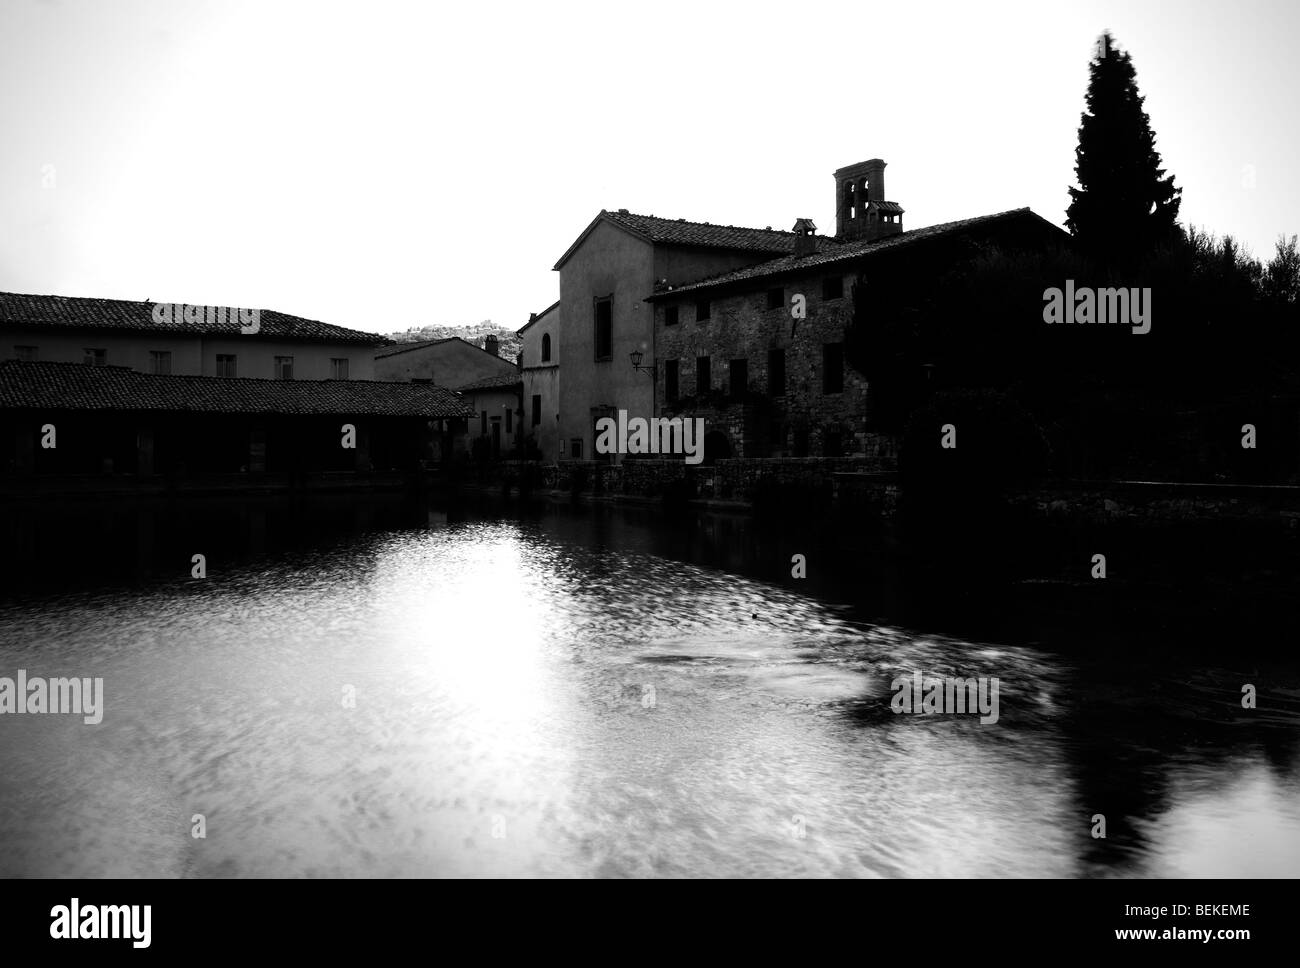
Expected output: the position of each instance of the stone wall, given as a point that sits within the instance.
(1144, 502)
(740, 480)
(865, 485)
(804, 421)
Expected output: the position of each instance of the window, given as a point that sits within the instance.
(776, 373)
(25, 353)
(338, 368)
(832, 367)
(739, 375)
(482, 427)
(537, 409)
(284, 367)
(775, 298)
(701, 310)
(95, 357)
(575, 448)
(703, 378)
(226, 364)
(670, 315)
(546, 347)
(510, 421)
(604, 328)
(670, 381)
(160, 362)
(832, 287)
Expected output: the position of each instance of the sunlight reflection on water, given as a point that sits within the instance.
(525, 707)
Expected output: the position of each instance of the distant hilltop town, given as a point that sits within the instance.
(508, 342)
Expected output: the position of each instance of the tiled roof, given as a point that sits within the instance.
(491, 383)
(116, 314)
(75, 386)
(417, 345)
(847, 252)
(669, 231)
(422, 344)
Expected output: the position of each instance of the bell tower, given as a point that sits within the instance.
(861, 211)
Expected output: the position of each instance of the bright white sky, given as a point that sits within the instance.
(383, 165)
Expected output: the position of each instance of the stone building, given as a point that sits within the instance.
(450, 362)
(497, 423)
(489, 384)
(759, 352)
(605, 277)
(71, 422)
(539, 369)
(182, 340)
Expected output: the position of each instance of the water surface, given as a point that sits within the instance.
(555, 695)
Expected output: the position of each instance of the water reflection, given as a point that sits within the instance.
(406, 691)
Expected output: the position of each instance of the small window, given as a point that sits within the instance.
(832, 367)
(546, 347)
(604, 328)
(671, 315)
(226, 364)
(575, 448)
(701, 310)
(739, 377)
(776, 373)
(537, 409)
(670, 381)
(338, 368)
(482, 427)
(26, 353)
(775, 298)
(284, 367)
(95, 357)
(703, 376)
(160, 362)
(832, 287)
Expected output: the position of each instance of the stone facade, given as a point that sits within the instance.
(817, 415)
(605, 278)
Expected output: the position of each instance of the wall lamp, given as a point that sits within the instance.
(637, 356)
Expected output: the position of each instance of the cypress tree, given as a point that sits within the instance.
(1125, 203)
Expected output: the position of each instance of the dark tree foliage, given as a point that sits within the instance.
(1223, 351)
(1125, 203)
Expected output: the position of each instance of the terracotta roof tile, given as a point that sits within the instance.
(491, 382)
(682, 232)
(667, 231)
(847, 252)
(75, 386)
(20, 309)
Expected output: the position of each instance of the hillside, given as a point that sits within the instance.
(474, 332)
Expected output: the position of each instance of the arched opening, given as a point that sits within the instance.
(546, 347)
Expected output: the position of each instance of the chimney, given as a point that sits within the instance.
(805, 237)
(862, 211)
(490, 344)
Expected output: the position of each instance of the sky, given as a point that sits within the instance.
(385, 165)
